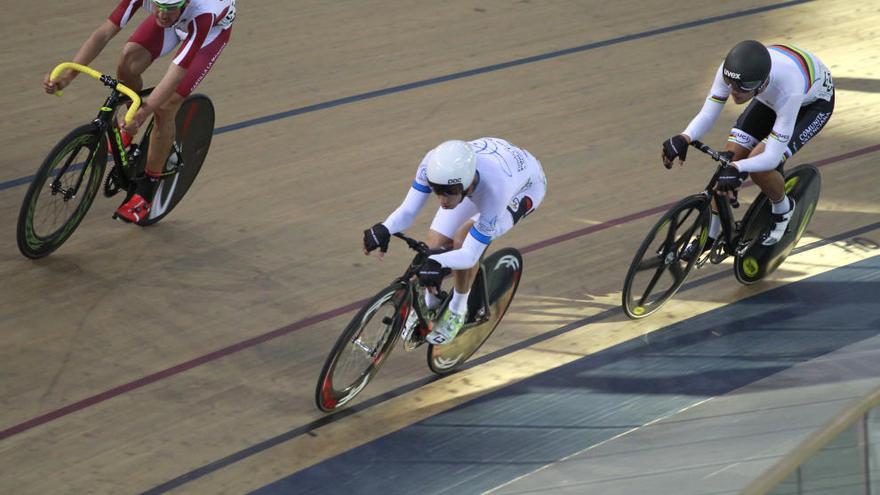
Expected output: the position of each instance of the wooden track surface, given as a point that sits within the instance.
(269, 234)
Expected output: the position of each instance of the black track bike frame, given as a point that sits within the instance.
(408, 279)
(103, 122)
(729, 227)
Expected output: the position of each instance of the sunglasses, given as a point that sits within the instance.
(743, 86)
(446, 189)
(165, 7)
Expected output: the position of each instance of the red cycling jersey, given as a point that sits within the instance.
(204, 26)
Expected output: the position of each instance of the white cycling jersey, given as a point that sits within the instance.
(511, 184)
(797, 78)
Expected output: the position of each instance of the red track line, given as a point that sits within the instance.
(259, 339)
(180, 368)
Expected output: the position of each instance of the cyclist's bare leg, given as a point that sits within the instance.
(739, 152)
(134, 61)
(436, 240)
(164, 129)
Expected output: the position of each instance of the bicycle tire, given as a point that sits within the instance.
(329, 395)
(195, 129)
(504, 270)
(35, 241)
(666, 256)
(804, 184)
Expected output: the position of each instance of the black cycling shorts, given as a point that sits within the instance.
(757, 121)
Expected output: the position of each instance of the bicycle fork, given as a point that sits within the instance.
(726, 244)
(417, 325)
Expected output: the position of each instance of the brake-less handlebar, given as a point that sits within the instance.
(415, 245)
(107, 80)
(717, 156)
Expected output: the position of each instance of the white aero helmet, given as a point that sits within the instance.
(451, 164)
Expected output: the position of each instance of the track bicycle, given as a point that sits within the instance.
(67, 182)
(660, 266)
(396, 313)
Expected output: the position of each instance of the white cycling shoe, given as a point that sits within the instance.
(780, 226)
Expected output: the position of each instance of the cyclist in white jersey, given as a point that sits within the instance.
(792, 97)
(484, 188)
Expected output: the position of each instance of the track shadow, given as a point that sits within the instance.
(862, 84)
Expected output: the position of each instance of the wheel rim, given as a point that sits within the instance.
(54, 210)
(658, 270)
(362, 352)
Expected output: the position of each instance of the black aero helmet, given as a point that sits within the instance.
(747, 66)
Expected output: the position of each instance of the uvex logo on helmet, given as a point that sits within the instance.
(732, 75)
(455, 180)
(747, 66)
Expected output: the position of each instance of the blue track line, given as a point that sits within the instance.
(474, 72)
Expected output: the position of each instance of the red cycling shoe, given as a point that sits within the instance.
(134, 210)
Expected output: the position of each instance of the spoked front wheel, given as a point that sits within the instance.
(658, 268)
(503, 270)
(195, 128)
(362, 348)
(62, 192)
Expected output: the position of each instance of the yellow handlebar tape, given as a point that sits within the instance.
(135, 99)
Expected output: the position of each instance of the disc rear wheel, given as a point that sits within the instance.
(195, 128)
(803, 184)
(503, 271)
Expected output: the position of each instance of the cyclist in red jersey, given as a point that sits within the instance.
(203, 26)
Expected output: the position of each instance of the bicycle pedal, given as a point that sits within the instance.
(414, 340)
(716, 259)
(413, 343)
(717, 254)
(702, 260)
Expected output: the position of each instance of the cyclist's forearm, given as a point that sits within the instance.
(96, 42)
(463, 258)
(770, 158)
